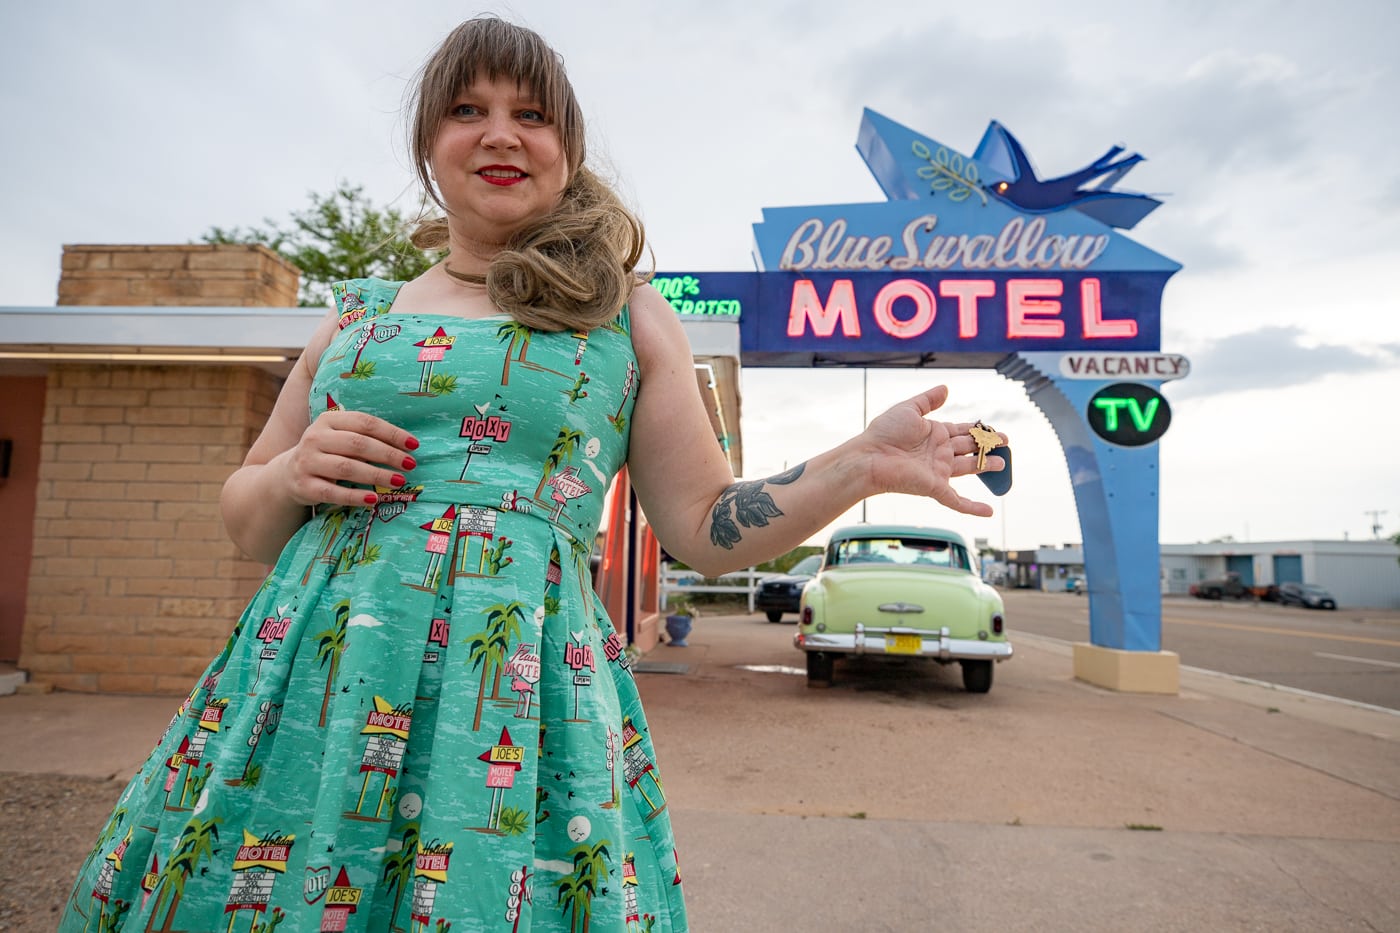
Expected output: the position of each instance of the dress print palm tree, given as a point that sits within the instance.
(517, 333)
(488, 648)
(519, 336)
(330, 645)
(398, 870)
(578, 552)
(576, 892)
(331, 524)
(565, 443)
(196, 842)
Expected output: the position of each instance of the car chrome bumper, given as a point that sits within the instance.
(936, 644)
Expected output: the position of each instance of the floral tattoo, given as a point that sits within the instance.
(752, 507)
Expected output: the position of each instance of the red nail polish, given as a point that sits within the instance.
(397, 480)
(371, 499)
(409, 463)
(411, 443)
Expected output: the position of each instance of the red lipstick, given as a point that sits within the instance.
(502, 175)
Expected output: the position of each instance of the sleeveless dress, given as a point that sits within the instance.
(424, 719)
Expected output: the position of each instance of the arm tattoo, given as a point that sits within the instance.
(752, 507)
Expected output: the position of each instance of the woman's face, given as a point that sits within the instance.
(498, 161)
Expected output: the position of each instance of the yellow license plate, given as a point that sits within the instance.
(903, 644)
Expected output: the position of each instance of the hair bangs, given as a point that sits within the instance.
(491, 48)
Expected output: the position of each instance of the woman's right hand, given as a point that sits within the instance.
(347, 447)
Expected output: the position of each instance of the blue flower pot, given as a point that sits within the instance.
(677, 628)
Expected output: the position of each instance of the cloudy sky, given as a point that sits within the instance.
(1270, 130)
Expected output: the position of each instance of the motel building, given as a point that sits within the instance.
(128, 404)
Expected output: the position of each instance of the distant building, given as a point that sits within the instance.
(1049, 568)
(1358, 573)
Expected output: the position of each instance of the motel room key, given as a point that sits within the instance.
(986, 439)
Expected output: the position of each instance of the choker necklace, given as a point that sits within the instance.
(467, 277)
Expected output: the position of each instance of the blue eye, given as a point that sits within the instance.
(465, 110)
(534, 116)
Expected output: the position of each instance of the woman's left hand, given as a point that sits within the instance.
(914, 454)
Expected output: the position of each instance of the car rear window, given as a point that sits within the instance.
(914, 552)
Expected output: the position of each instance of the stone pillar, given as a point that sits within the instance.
(133, 585)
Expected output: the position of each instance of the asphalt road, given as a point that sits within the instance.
(1353, 654)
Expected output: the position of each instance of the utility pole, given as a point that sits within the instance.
(864, 415)
(1375, 521)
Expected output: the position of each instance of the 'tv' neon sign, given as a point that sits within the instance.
(1147, 414)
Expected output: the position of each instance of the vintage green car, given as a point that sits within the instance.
(902, 591)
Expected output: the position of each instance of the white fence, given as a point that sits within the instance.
(681, 582)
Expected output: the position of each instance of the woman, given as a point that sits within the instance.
(424, 717)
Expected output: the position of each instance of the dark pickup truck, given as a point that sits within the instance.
(1231, 587)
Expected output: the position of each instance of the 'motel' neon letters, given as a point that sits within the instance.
(1031, 306)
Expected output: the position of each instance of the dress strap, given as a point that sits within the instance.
(357, 299)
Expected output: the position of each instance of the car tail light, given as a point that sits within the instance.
(997, 624)
(806, 615)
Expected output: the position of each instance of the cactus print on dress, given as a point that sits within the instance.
(423, 721)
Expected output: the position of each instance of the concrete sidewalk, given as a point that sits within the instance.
(896, 801)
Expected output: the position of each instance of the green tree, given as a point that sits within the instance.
(342, 235)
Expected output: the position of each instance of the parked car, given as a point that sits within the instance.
(1230, 586)
(902, 591)
(1305, 594)
(782, 592)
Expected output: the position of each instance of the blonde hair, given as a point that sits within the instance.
(574, 268)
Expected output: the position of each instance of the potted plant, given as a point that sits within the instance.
(679, 619)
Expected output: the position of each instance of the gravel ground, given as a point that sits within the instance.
(37, 873)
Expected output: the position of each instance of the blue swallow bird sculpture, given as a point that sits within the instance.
(1000, 151)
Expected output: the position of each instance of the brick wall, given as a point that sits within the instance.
(223, 275)
(133, 585)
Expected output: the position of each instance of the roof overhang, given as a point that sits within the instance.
(32, 339)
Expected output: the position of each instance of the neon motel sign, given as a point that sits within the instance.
(967, 255)
(977, 261)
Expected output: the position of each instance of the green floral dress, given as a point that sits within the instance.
(423, 720)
